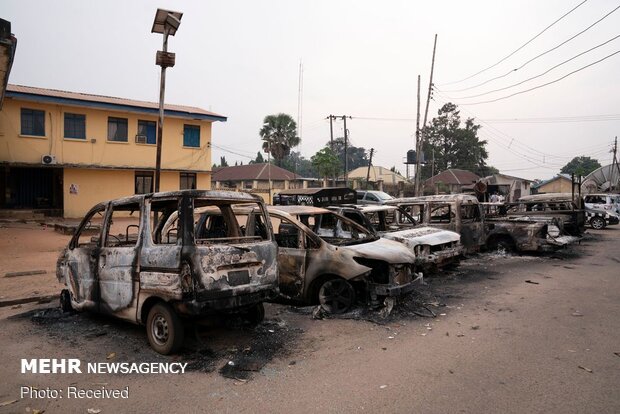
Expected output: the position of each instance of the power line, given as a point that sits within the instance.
(542, 74)
(562, 119)
(521, 47)
(544, 84)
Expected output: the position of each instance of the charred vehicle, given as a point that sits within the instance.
(148, 269)
(523, 233)
(561, 205)
(459, 213)
(328, 259)
(432, 247)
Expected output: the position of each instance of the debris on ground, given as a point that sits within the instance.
(25, 273)
(585, 369)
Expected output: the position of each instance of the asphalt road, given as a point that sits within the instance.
(501, 345)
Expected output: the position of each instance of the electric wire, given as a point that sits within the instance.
(542, 85)
(521, 47)
(542, 74)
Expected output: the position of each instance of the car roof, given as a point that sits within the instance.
(295, 210)
(443, 197)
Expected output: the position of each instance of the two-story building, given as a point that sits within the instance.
(62, 152)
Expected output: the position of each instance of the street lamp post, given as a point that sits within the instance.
(166, 22)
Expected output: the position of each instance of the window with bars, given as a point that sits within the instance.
(32, 122)
(75, 126)
(188, 181)
(117, 129)
(149, 130)
(144, 182)
(191, 136)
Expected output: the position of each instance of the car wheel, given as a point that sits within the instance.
(65, 301)
(597, 223)
(336, 296)
(164, 329)
(255, 315)
(501, 244)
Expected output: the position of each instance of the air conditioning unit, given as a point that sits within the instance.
(141, 139)
(48, 159)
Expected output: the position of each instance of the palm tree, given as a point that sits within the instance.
(279, 133)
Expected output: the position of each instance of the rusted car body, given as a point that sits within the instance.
(328, 259)
(523, 233)
(459, 213)
(433, 248)
(144, 270)
(561, 205)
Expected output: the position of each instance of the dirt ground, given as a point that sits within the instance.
(500, 333)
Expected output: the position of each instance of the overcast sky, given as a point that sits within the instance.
(360, 58)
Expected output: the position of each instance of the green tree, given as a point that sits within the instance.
(356, 156)
(259, 159)
(326, 162)
(279, 135)
(298, 164)
(581, 166)
(453, 144)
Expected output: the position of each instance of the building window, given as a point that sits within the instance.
(188, 181)
(191, 136)
(75, 126)
(33, 122)
(144, 182)
(147, 129)
(117, 129)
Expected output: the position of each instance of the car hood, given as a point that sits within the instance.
(423, 236)
(383, 249)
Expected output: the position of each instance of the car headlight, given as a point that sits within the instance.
(553, 230)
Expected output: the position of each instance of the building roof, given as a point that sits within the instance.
(557, 177)
(453, 176)
(499, 178)
(108, 102)
(377, 173)
(252, 172)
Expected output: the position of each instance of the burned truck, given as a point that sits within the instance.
(434, 248)
(328, 259)
(463, 213)
(145, 268)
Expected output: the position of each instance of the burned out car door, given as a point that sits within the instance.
(77, 264)
(292, 256)
(118, 259)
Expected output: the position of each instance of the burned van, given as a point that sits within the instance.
(459, 213)
(148, 269)
(328, 259)
(433, 247)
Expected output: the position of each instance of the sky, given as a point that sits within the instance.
(241, 59)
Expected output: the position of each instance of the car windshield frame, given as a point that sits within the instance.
(336, 240)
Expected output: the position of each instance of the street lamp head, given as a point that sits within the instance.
(166, 19)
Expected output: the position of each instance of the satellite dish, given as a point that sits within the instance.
(480, 187)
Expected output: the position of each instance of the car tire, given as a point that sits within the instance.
(65, 301)
(597, 223)
(164, 329)
(336, 295)
(255, 315)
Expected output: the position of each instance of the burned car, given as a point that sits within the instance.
(328, 259)
(142, 269)
(562, 205)
(459, 213)
(433, 247)
(523, 233)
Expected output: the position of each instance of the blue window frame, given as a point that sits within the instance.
(33, 122)
(191, 136)
(117, 129)
(148, 129)
(75, 126)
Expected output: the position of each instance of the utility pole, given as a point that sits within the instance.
(346, 161)
(418, 147)
(331, 142)
(421, 139)
(614, 162)
(346, 143)
(372, 150)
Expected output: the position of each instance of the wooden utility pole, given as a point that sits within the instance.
(421, 139)
(372, 150)
(614, 162)
(346, 161)
(418, 147)
(331, 142)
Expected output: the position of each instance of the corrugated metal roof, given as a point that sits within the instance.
(78, 97)
(252, 172)
(454, 176)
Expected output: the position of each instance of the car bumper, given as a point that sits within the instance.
(394, 290)
(215, 302)
(440, 258)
